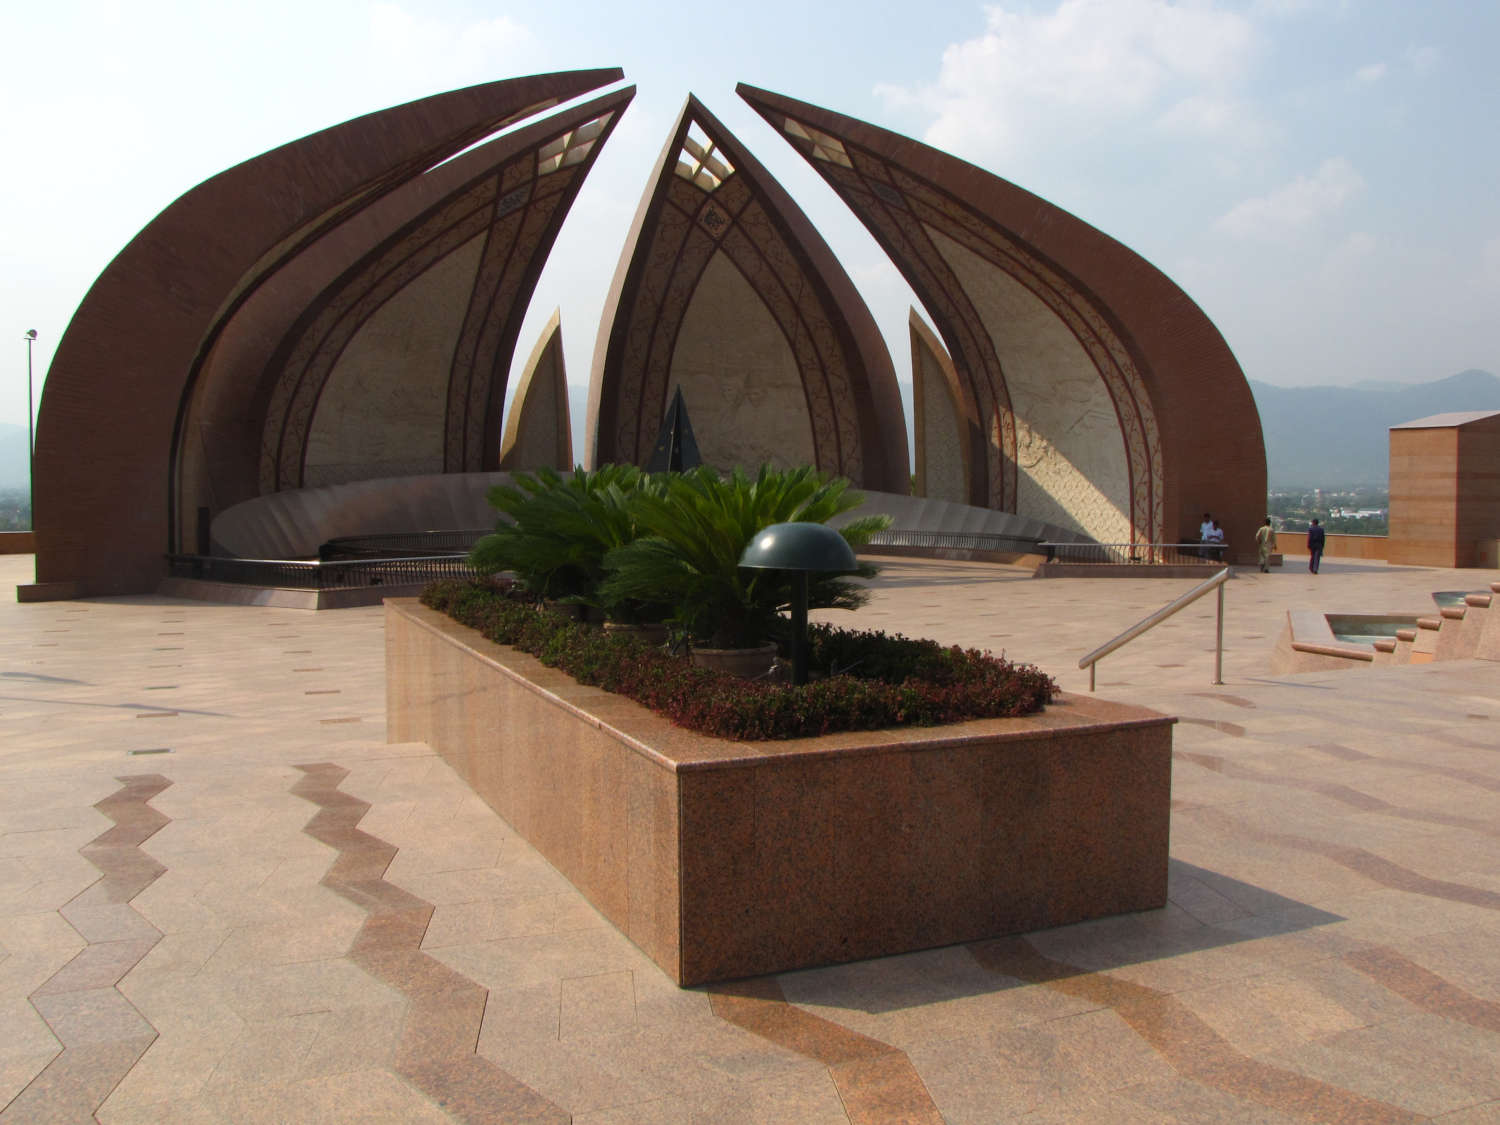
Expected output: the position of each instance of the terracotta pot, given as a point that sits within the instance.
(574, 611)
(746, 663)
(570, 610)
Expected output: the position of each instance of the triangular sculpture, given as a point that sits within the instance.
(676, 450)
(539, 429)
(946, 424)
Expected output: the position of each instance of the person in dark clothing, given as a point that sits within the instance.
(1315, 539)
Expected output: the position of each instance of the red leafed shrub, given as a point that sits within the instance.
(870, 680)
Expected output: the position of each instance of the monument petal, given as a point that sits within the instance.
(1107, 401)
(725, 292)
(115, 412)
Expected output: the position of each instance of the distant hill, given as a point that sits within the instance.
(1333, 436)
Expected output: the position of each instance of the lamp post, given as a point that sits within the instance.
(799, 548)
(30, 431)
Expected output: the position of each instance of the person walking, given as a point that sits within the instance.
(1315, 538)
(1265, 539)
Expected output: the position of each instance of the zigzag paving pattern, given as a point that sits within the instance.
(1186, 1041)
(875, 1080)
(102, 1034)
(254, 909)
(440, 1029)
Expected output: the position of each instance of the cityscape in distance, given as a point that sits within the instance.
(1328, 448)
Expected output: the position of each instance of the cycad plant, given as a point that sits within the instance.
(695, 527)
(561, 529)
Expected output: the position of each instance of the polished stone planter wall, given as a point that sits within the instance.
(729, 859)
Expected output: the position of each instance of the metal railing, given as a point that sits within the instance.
(953, 540)
(1166, 611)
(315, 574)
(461, 542)
(1142, 554)
(403, 543)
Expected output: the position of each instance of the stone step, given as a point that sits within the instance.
(1424, 647)
(1486, 625)
(1455, 639)
(1404, 639)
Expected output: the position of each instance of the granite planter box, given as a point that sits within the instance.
(730, 859)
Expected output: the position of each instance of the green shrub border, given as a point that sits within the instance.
(878, 680)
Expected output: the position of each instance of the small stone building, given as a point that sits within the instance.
(1445, 490)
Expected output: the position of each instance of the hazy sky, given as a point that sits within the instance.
(1319, 175)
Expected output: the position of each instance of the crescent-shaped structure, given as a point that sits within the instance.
(133, 386)
(726, 292)
(1106, 400)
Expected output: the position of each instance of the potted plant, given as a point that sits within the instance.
(557, 533)
(692, 531)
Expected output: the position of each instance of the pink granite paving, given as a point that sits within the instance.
(283, 918)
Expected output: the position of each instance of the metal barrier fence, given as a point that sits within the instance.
(1143, 554)
(953, 540)
(461, 542)
(315, 574)
(369, 567)
(403, 543)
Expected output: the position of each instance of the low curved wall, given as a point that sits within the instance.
(293, 523)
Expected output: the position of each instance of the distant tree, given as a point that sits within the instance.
(15, 509)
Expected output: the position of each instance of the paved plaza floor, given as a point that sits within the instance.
(225, 898)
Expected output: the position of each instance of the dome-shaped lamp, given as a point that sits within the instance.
(799, 548)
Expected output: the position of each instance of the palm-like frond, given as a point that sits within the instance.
(560, 528)
(628, 541)
(698, 525)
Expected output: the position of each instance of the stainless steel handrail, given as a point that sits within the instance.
(1166, 611)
